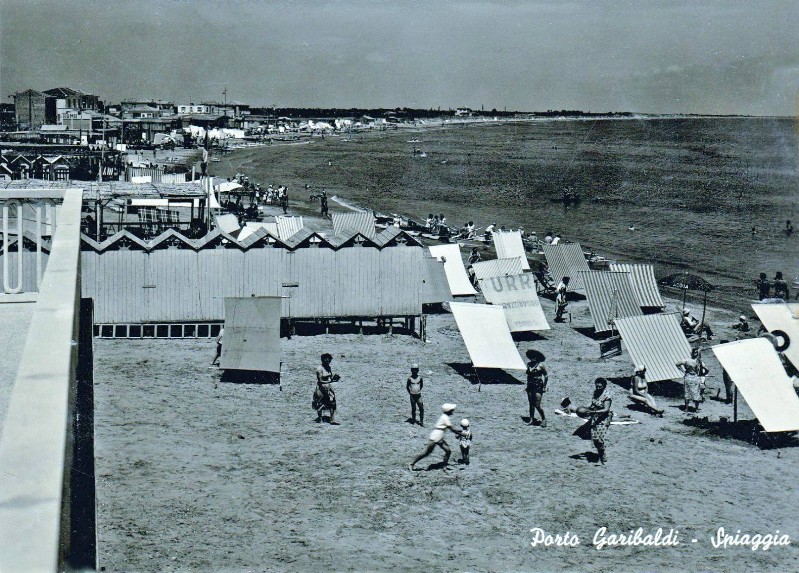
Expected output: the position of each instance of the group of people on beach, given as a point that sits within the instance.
(257, 196)
(778, 284)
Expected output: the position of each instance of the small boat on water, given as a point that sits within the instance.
(414, 140)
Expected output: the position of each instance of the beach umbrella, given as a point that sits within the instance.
(686, 282)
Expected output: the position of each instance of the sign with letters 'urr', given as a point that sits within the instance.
(517, 295)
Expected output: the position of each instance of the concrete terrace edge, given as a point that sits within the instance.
(36, 441)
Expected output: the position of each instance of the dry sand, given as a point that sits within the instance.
(194, 474)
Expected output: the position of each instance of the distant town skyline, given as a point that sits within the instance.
(715, 57)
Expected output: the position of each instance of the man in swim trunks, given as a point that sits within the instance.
(414, 386)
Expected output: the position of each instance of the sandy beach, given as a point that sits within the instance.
(197, 474)
(194, 474)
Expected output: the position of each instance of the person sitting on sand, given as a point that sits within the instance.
(742, 324)
(324, 397)
(537, 379)
(560, 298)
(437, 436)
(474, 256)
(489, 232)
(429, 222)
(690, 325)
(470, 231)
(548, 238)
(639, 391)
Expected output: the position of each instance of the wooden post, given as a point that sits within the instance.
(735, 405)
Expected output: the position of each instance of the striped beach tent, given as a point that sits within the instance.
(610, 296)
(566, 260)
(644, 283)
(509, 245)
(657, 342)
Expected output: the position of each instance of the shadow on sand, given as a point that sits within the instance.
(527, 336)
(664, 388)
(249, 377)
(744, 430)
(483, 375)
(590, 457)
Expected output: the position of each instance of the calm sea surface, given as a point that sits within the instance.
(692, 189)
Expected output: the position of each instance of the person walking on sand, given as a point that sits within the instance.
(414, 386)
(324, 397)
(560, 298)
(218, 355)
(537, 379)
(437, 436)
(465, 441)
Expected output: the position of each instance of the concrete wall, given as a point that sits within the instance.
(38, 433)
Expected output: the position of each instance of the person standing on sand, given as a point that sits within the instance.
(465, 441)
(781, 287)
(218, 355)
(537, 379)
(691, 381)
(324, 397)
(284, 200)
(763, 287)
(437, 436)
(414, 386)
(323, 203)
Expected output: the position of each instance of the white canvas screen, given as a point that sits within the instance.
(227, 223)
(517, 295)
(509, 245)
(782, 317)
(252, 334)
(486, 335)
(457, 278)
(757, 371)
(498, 268)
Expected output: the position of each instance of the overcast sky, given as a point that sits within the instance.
(705, 56)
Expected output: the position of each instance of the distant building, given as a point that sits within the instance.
(68, 99)
(146, 108)
(7, 121)
(186, 109)
(463, 112)
(232, 109)
(33, 109)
